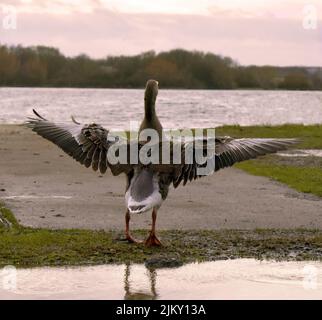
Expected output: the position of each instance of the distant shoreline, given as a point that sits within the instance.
(41, 66)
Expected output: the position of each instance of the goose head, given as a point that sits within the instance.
(151, 92)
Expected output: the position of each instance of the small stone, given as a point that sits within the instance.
(222, 257)
(163, 262)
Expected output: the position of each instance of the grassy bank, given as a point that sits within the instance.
(27, 247)
(301, 173)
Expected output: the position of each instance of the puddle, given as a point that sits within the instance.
(301, 153)
(229, 279)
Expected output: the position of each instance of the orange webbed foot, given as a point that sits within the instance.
(130, 239)
(152, 241)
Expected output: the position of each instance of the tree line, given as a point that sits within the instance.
(47, 67)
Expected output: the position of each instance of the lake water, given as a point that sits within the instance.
(229, 279)
(115, 108)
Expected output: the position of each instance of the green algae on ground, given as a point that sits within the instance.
(28, 247)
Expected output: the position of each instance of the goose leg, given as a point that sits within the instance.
(128, 236)
(152, 239)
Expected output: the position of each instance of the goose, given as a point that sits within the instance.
(147, 184)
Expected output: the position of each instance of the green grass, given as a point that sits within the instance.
(302, 174)
(28, 247)
(307, 180)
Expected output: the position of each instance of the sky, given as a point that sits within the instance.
(262, 32)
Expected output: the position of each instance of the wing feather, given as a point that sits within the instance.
(227, 152)
(87, 144)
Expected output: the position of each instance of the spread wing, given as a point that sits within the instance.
(90, 145)
(224, 152)
(87, 144)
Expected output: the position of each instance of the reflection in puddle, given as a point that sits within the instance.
(229, 279)
(301, 153)
(135, 293)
